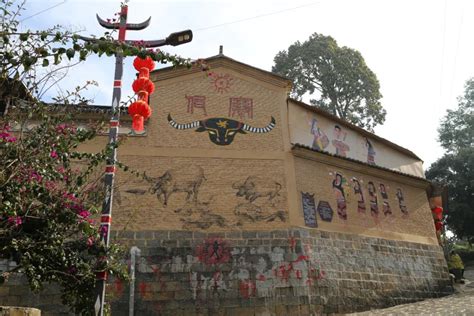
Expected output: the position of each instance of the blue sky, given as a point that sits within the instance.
(421, 51)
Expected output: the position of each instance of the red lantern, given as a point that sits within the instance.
(147, 63)
(139, 110)
(143, 84)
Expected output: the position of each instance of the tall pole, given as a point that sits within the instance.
(173, 39)
(106, 217)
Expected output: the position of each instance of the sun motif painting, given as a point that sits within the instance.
(221, 82)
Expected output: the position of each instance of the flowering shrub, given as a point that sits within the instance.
(48, 200)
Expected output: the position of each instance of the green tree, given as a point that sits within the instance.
(347, 87)
(48, 189)
(456, 168)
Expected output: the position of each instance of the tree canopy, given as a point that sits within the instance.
(456, 168)
(347, 87)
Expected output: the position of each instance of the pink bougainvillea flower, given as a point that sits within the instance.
(35, 176)
(84, 214)
(90, 241)
(15, 220)
(53, 154)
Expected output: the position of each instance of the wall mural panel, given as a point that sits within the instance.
(309, 209)
(338, 142)
(401, 202)
(337, 186)
(374, 206)
(325, 211)
(323, 134)
(221, 130)
(204, 193)
(386, 206)
(358, 191)
(346, 198)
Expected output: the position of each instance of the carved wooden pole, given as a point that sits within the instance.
(106, 216)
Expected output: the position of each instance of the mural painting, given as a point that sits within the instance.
(325, 211)
(169, 183)
(267, 193)
(374, 207)
(360, 194)
(221, 83)
(386, 206)
(401, 202)
(241, 107)
(370, 152)
(338, 142)
(196, 102)
(320, 140)
(194, 213)
(340, 196)
(222, 130)
(309, 209)
(178, 192)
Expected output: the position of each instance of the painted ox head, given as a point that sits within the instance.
(221, 130)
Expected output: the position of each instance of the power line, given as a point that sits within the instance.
(42, 11)
(256, 17)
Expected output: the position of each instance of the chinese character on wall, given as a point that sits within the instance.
(241, 107)
(196, 102)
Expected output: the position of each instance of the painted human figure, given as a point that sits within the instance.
(401, 201)
(340, 136)
(374, 208)
(358, 191)
(370, 152)
(320, 141)
(340, 196)
(386, 206)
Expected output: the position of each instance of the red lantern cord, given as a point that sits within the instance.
(143, 87)
(144, 73)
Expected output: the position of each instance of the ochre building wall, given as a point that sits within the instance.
(409, 219)
(314, 129)
(221, 229)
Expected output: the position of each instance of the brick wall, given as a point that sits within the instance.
(279, 272)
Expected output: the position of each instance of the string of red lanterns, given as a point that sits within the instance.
(140, 109)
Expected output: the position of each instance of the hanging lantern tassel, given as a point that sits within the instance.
(143, 87)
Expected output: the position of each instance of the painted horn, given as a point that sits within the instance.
(129, 26)
(265, 129)
(183, 126)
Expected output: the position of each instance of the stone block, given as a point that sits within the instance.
(233, 235)
(179, 235)
(280, 234)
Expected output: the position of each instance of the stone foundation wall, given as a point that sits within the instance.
(281, 272)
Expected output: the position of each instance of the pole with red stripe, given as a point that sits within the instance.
(106, 217)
